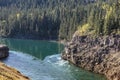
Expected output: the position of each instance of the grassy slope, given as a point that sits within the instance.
(8, 73)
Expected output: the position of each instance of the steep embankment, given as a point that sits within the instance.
(7, 73)
(100, 55)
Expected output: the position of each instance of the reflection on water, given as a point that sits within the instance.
(39, 49)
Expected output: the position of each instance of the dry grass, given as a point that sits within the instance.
(8, 73)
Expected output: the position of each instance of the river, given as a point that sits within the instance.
(40, 60)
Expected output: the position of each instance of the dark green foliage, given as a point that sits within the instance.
(55, 19)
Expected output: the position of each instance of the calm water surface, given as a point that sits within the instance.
(40, 60)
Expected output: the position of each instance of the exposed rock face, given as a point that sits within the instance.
(100, 55)
(4, 51)
(7, 73)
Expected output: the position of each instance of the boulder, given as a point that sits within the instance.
(4, 51)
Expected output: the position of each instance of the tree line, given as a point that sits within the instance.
(57, 19)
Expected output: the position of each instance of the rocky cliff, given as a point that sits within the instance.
(100, 55)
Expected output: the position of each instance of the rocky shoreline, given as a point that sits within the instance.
(8, 73)
(100, 55)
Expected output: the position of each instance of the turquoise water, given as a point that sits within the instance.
(40, 60)
(39, 49)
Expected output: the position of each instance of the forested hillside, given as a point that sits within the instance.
(58, 19)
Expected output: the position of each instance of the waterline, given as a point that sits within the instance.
(51, 68)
